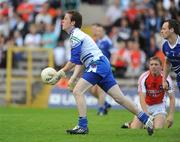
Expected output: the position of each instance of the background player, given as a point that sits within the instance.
(105, 45)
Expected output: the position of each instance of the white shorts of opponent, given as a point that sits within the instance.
(155, 109)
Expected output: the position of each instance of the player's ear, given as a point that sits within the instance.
(171, 30)
(72, 23)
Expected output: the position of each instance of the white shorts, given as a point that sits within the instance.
(157, 109)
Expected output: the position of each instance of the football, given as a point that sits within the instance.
(47, 74)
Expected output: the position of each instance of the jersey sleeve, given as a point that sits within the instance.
(170, 84)
(76, 44)
(141, 83)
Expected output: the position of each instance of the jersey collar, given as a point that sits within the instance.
(174, 44)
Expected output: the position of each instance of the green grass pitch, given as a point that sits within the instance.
(49, 125)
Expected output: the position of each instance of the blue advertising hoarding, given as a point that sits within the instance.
(62, 97)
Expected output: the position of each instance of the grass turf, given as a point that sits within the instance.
(49, 125)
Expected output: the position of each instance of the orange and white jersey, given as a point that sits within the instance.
(152, 87)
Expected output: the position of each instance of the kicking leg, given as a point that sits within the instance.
(118, 96)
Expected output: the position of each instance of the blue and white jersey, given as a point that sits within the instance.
(173, 54)
(105, 44)
(83, 48)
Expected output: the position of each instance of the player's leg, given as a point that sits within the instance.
(159, 121)
(102, 98)
(118, 96)
(95, 92)
(101, 95)
(109, 85)
(159, 113)
(136, 124)
(88, 80)
(81, 87)
(103, 105)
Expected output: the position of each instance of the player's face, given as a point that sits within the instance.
(155, 67)
(94, 33)
(165, 31)
(67, 24)
(100, 32)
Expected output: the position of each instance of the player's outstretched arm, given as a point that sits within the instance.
(166, 71)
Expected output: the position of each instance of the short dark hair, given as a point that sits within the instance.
(76, 17)
(174, 24)
(156, 59)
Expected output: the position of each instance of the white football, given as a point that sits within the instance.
(47, 74)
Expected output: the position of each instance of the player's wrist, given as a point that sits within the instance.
(61, 73)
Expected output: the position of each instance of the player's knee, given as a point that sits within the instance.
(76, 92)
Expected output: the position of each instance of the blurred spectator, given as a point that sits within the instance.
(6, 9)
(37, 4)
(5, 13)
(124, 4)
(113, 12)
(19, 25)
(120, 59)
(44, 16)
(152, 21)
(70, 4)
(138, 37)
(4, 26)
(18, 39)
(132, 11)
(49, 38)
(166, 4)
(113, 34)
(60, 55)
(124, 30)
(174, 9)
(32, 39)
(26, 11)
(137, 59)
(153, 48)
(18, 42)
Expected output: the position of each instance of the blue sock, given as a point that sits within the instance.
(143, 117)
(83, 122)
(106, 104)
(101, 109)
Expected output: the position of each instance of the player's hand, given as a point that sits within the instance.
(71, 83)
(165, 85)
(57, 77)
(169, 121)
